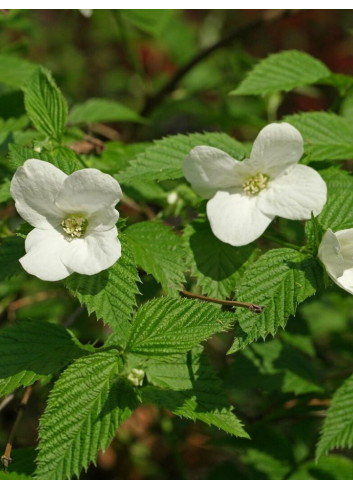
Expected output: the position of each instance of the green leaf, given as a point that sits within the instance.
(337, 431)
(45, 105)
(189, 387)
(19, 154)
(62, 157)
(164, 159)
(12, 124)
(279, 281)
(347, 109)
(11, 250)
(274, 366)
(30, 350)
(217, 266)
(110, 294)
(102, 110)
(326, 136)
(282, 72)
(15, 71)
(85, 408)
(334, 467)
(158, 251)
(265, 464)
(22, 465)
(5, 191)
(170, 326)
(338, 211)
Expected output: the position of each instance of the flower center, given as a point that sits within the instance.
(255, 183)
(74, 226)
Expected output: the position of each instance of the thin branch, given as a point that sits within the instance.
(6, 457)
(6, 401)
(238, 32)
(32, 299)
(248, 305)
(277, 239)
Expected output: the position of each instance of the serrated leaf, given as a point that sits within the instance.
(279, 281)
(62, 157)
(85, 408)
(164, 159)
(337, 431)
(189, 387)
(102, 110)
(338, 211)
(15, 71)
(110, 294)
(217, 266)
(19, 154)
(326, 136)
(30, 350)
(170, 326)
(282, 72)
(11, 250)
(45, 105)
(65, 159)
(157, 250)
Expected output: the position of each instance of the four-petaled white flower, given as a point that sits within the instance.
(74, 218)
(246, 196)
(336, 254)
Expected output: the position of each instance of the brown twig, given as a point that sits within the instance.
(6, 457)
(238, 32)
(248, 305)
(31, 299)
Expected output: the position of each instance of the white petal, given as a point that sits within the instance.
(345, 239)
(329, 254)
(276, 147)
(43, 249)
(102, 220)
(346, 281)
(93, 253)
(210, 169)
(88, 191)
(235, 218)
(34, 187)
(294, 194)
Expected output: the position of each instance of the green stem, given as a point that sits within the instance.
(279, 240)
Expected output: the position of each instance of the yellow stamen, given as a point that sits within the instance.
(255, 183)
(74, 226)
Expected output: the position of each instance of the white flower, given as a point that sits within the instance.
(86, 12)
(246, 196)
(74, 218)
(136, 377)
(336, 253)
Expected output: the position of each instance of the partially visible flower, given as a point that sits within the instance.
(86, 12)
(74, 218)
(246, 196)
(336, 254)
(136, 377)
